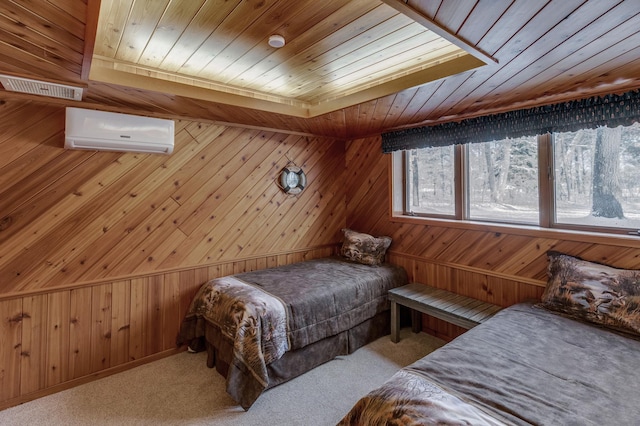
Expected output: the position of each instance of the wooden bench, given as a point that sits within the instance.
(460, 310)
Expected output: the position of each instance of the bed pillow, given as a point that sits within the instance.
(593, 292)
(364, 248)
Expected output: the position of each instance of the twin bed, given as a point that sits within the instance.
(264, 327)
(526, 365)
(572, 359)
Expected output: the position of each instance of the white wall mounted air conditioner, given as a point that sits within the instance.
(109, 131)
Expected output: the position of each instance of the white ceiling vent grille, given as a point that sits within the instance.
(35, 87)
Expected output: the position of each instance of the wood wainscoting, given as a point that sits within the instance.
(58, 339)
(479, 284)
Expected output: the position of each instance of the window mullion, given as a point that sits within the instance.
(461, 182)
(545, 180)
(405, 183)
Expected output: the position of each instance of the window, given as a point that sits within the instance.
(430, 181)
(591, 180)
(597, 177)
(503, 180)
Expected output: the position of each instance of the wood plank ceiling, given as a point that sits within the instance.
(339, 53)
(546, 51)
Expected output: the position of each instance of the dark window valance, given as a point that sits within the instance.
(609, 110)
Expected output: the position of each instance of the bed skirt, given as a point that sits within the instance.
(294, 363)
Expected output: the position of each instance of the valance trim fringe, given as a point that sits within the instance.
(610, 110)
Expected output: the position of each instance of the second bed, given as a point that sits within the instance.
(262, 328)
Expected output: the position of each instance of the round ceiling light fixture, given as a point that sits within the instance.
(276, 41)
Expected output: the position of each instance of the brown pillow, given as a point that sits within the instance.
(593, 292)
(364, 248)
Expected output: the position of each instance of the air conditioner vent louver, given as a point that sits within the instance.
(44, 88)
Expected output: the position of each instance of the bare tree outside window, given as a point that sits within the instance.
(415, 179)
(597, 177)
(606, 159)
(431, 180)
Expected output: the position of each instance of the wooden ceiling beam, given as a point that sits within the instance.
(443, 32)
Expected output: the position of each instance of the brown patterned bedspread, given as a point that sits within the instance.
(255, 321)
(409, 399)
(524, 366)
(315, 299)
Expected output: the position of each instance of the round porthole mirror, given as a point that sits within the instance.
(292, 180)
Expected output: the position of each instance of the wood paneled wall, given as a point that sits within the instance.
(70, 217)
(100, 253)
(503, 267)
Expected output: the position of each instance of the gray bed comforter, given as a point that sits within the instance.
(320, 298)
(324, 297)
(524, 366)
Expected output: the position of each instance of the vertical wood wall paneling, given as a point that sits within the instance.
(153, 336)
(137, 330)
(80, 330)
(33, 351)
(101, 327)
(120, 322)
(10, 356)
(170, 310)
(189, 284)
(57, 343)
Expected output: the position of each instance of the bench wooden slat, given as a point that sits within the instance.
(457, 309)
(473, 309)
(436, 302)
(431, 295)
(469, 305)
(486, 314)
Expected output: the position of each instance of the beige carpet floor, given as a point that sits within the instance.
(181, 390)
